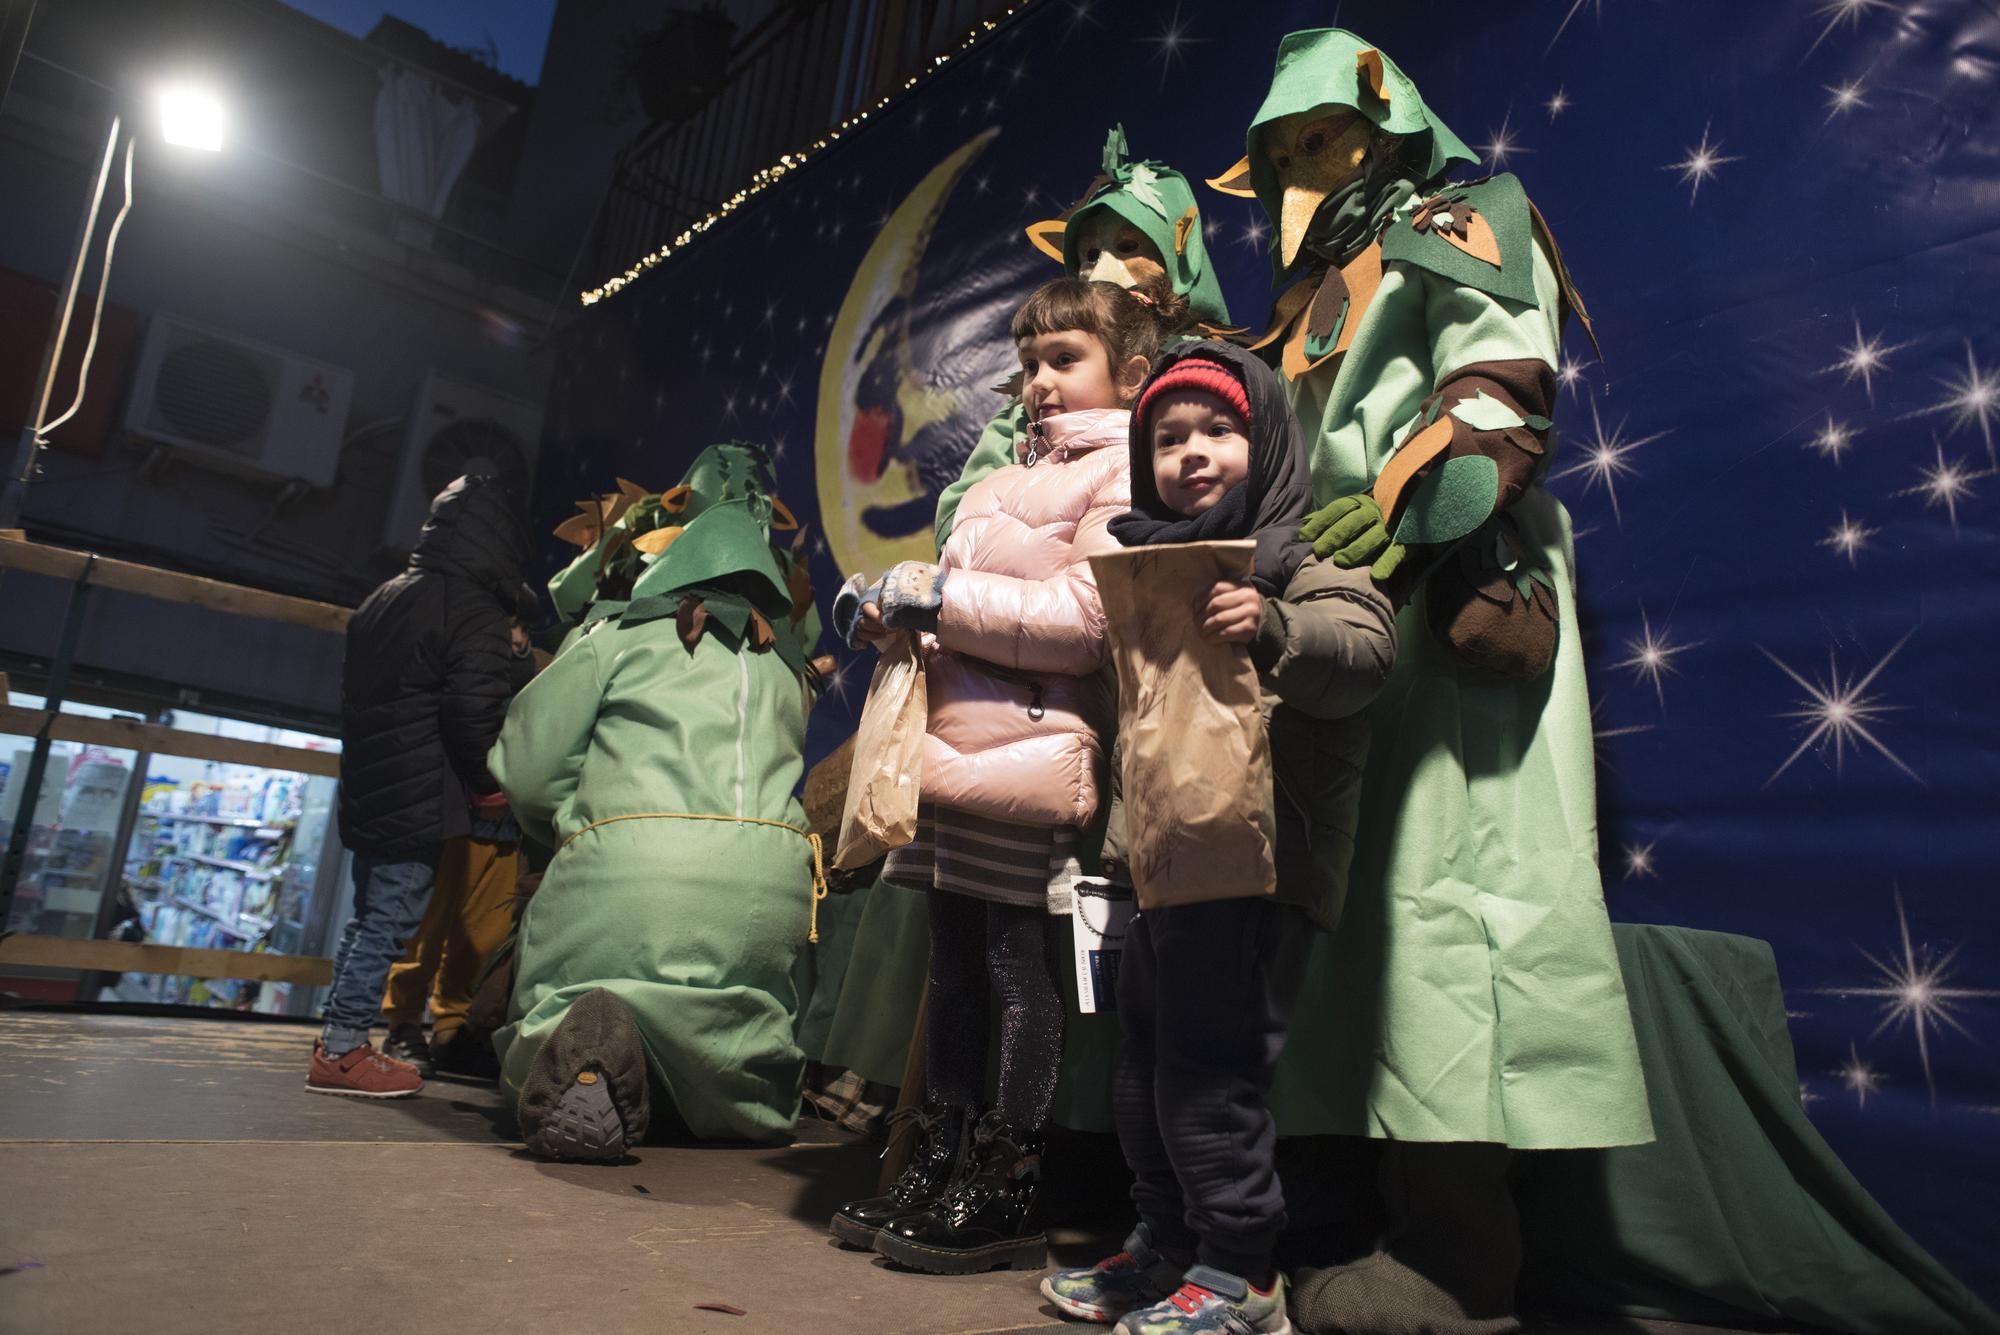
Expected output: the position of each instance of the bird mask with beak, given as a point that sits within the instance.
(1343, 138)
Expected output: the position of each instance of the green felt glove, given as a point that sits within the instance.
(1350, 532)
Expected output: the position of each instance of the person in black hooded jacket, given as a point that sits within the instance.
(425, 687)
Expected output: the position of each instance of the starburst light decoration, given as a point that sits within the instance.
(1605, 459)
(1649, 656)
(1848, 537)
(1839, 711)
(1700, 164)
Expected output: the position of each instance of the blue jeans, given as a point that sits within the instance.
(389, 902)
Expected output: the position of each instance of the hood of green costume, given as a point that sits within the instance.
(728, 546)
(1320, 67)
(1153, 197)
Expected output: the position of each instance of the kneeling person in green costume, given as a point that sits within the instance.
(658, 754)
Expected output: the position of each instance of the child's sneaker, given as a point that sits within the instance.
(361, 1074)
(1136, 1277)
(1211, 1302)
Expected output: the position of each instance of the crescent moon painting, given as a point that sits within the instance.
(906, 385)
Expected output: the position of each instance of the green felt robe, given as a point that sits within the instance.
(1472, 991)
(664, 774)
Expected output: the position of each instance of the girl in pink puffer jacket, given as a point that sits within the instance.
(1014, 644)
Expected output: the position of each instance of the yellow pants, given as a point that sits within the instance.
(470, 913)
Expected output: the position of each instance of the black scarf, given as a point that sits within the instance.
(1269, 505)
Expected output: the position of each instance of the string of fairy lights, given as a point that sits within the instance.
(790, 162)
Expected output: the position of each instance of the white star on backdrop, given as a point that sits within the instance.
(1700, 164)
(1839, 711)
(1912, 988)
(1862, 358)
(1848, 12)
(1170, 43)
(1599, 736)
(1570, 374)
(1597, 5)
(1605, 459)
(1844, 97)
(1848, 537)
(1945, 484)
(1255, 232)
(1834, 440)
(1639, 862)
(1650, 656)
(1557, 104)
(1859, 1077)
(1974, 399)
(1501, 144)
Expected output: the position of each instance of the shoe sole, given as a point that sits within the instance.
(584, 1127)
(1018, 1254)
(311, 1088)
(851, 1234)
(1070, 1307)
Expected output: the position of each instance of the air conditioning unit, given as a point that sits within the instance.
(456, 429)
(230, 402)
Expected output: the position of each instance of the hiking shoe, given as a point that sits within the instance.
(361, 1074)
(1212, 1302)
(1136, 1277)
(406, 1043)
(584, 1126)
(466, 1052)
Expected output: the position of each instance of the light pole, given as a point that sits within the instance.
(194, 121)
(189, 118)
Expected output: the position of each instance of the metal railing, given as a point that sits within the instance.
(807, 67)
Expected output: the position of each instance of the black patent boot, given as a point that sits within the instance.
(946, 1133)
(987, 1220)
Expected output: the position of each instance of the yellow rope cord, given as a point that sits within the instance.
(819, 889)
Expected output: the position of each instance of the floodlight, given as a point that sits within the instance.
(191, 118)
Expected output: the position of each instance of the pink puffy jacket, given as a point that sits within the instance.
(1018, 706)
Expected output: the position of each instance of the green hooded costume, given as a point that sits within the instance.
(1472, 992)
(658, 754)
(1157, 200)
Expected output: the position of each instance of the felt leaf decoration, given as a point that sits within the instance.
(1047, 237)
(1235, 181)
(762, 637)
(1473, 235)
(1484, 413)
(1291, 303)
(1182, 228)
(675, 499)
(1368, 65)
(580, 529)
(1409, 459)
(782, 519)
(630, 491)
(1328, 304)
(1144, 187)
(657, 541)
(1115, 150)
(1455, 499)
(690, 621)
(1536, 423)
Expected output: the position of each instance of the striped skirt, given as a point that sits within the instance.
(994, 860)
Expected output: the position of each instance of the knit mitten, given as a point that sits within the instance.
(912, 596)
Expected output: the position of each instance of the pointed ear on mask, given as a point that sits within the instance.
(1368, 65)
(1235, 181)
(1047, 237)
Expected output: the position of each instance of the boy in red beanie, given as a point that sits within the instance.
(1205, 991)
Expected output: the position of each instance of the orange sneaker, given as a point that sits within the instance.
(362, 1074)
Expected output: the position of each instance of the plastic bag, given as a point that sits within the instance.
(1196, 769)
(882, 788)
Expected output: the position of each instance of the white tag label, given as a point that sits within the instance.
(1101, 913)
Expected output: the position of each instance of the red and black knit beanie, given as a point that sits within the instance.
(1197, 373)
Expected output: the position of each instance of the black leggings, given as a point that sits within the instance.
(1015, 951)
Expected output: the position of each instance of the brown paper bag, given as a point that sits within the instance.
(1199, 823)
(882, 788)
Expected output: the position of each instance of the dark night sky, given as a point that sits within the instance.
(518, 28)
